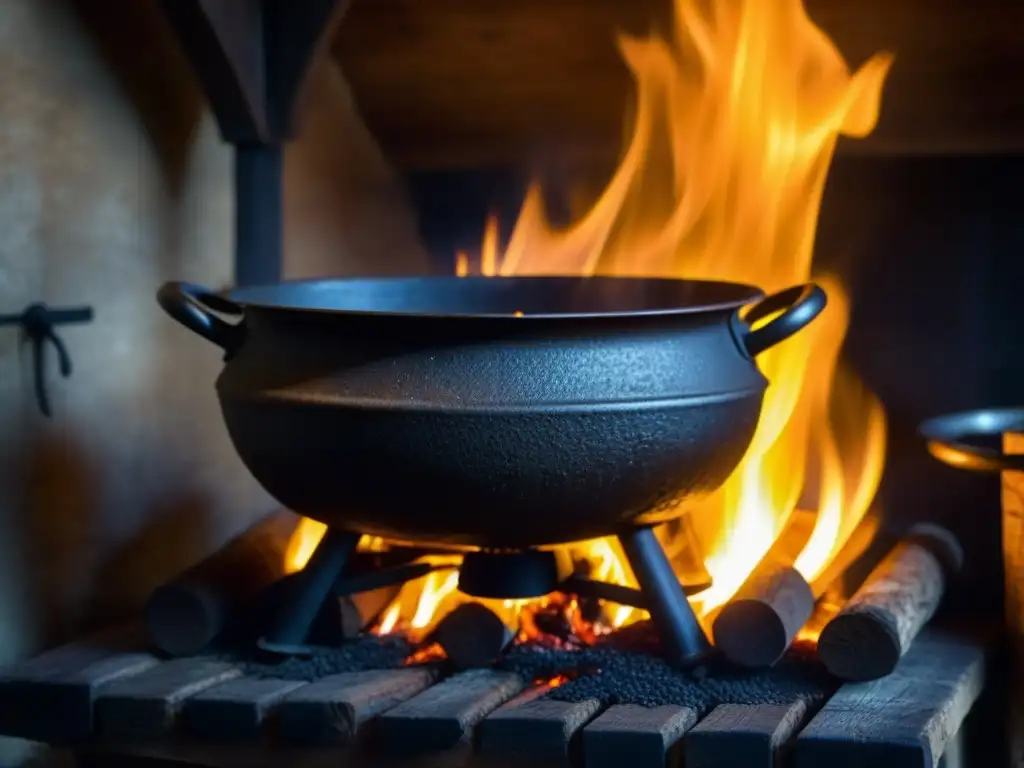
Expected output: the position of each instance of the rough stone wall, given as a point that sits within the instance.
(113, 178)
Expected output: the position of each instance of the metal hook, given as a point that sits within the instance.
(37, 322)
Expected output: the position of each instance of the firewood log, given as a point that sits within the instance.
(472, 635)
(757, 626)
(759, 623)
(875, 628)
(187, 614)
(232, 594)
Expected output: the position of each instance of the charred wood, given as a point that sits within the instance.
(472, 636)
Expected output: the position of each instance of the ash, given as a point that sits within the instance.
(360, 654)
(614, 676)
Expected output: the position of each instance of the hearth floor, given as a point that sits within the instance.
(109, 695)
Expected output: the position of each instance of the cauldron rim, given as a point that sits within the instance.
(477, 298)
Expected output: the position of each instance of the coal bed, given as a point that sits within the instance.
(361, 654)
(608, 674)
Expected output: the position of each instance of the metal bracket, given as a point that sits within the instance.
(38, 323)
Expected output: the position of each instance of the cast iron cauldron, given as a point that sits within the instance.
(491, 412)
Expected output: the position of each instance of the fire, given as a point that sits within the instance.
(489, 257)
(308, 534)
(420, 604)
(302, 543)
(738, 110)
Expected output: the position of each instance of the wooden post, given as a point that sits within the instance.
(875, 628)
(251, 58)
(1013, 564)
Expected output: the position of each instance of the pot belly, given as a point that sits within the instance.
(493, 478)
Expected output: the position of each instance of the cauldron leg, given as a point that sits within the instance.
(293, 622)
(681, 634)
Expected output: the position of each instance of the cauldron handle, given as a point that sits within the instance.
(798, 305)
(190, 305)
(946, 436)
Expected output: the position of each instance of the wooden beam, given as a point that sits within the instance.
(235, 710)
(223, 40)
(296, 34)
(251, 58)
(145, 706)
(334, 709)
(50, 698)
(640, 737)
(446, 715)
(906, 718)
(468, 83)
(753, 736)
(537, 731)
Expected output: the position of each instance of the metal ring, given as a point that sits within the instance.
(946, 435)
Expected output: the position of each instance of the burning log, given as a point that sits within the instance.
(363, 597)
(235, 592)
(187, 614)
(358, 611)
(877, 625)
(472, 636)
(757, 626)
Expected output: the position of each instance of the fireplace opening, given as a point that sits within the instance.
(832, 575)
(721, 178)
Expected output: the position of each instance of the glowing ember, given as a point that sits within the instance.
(556, 681)
(737, 114)
(427, 654)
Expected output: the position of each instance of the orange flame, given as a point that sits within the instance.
(308, 534)
(302, 543)
(736, 118)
